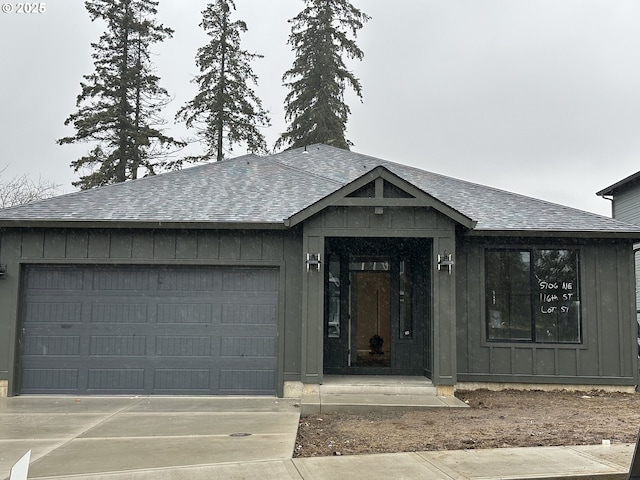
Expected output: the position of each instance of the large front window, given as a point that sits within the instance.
(533, 295)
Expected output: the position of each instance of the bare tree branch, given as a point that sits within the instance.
(22, 189)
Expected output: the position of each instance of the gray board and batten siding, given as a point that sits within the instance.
(606, 353)
(115, 311)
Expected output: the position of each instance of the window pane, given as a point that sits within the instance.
(333, 307)
(558, 296)
(368, 264)
(520, 273)
(498, 317)
(496, 270)
(508, 283)
(496, 296)
(520, 317)
(520, 285)
(406, 316)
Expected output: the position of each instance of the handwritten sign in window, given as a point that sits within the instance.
(557, 306)
(555, 297)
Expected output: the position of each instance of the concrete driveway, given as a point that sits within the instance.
(114, 436)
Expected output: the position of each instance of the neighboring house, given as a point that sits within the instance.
(625, 206)
(256, 275)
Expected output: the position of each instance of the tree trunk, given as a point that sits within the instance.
(123, 124)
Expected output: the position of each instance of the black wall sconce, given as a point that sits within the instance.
(445, 262)
(3, 271)
(313, 261)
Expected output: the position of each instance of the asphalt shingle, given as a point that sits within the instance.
(266, 190)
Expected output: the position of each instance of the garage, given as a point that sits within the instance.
(149, 330)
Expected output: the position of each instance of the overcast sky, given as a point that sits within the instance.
(539, 97)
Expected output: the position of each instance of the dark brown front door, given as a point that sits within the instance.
(370, 326)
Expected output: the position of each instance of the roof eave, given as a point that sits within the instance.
(610, 190)
(137, 224)
(556, 234)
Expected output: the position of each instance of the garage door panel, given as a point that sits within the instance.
(55, 380)
(51, 345)
(128, 280)
(116, 379)
(122, 330)
(245, 280)
(189, 281)
(181, 313)
(182, 379)
(118, 345)
(257, 381)
(246, 314)
(245, 331)
(64, 280)
(183, 346)
(119, 312)
(51, 311)
(248, 347)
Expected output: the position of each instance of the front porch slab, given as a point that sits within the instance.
(366, 393)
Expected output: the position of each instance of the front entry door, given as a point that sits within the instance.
(370, 319)
(376, 308)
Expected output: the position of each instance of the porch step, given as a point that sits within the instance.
(357, 394)
(377, 384)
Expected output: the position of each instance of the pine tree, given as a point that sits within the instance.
(315, 105)
(226, 110)
(119, 104)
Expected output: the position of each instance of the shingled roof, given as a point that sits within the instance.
(262, 192)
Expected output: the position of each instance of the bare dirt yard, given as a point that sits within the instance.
(495, 419)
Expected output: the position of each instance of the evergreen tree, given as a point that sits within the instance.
(119, 104)
(315, 105)
(226, 110)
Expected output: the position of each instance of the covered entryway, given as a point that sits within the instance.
(149, 330)
(376, 318)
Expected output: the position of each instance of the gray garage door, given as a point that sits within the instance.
(149, 330)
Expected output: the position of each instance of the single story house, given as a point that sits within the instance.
(257, 275)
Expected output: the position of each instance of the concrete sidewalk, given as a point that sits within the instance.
(198, 438)
(586, 462)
